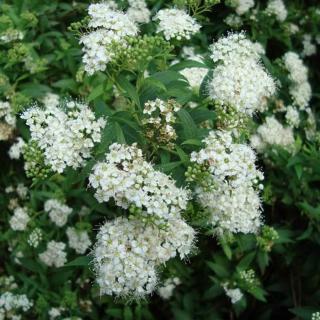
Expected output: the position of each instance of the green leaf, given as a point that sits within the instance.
(129, 90)
(188, 64)
(189, 127)
(82, 261)
(96, 92)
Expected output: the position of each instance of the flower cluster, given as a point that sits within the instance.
(194, 75)
(138, 11)
(241, 6)
(20, 219)
(12, 304)
(78, 240)
(107, 26)
(7, 120)
(230, 196)
(292, 116)
(309, 48)
(239, 78)
(300, 89)
(278, 9)
(58, 212)
(54, 255)
(16, 149)
(35, 237)
(272, 132)
(159, 118)
(235, 294)
(130, 180)
(128, 253)
(176, 24)
(66, 137)
(167, 288)
(51, 100)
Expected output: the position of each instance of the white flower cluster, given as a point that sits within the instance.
(7, 120)
(292, 117)
(78, 240)
(300, 89)
(176, 24)
(16, 149)
(54, 256)
(20, 219)
(128, 253)
(242, 6)
(239, 79)
(315, 315)
(35, 237)
(311, 125)
(108, 25)
(194, 75)
(51, 100)
(165, 291)
(12, 304)
(11, 35)
(66, 137)
(233, 21)
(20, 189)
(58, 212)
(309, 48)
(159, 118)
(272, 132)
(7, 283)
(130, 180)
(232, 201)
(138, 11)
(278, 9)
(234, 294)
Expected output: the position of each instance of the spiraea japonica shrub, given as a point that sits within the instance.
(159, 159)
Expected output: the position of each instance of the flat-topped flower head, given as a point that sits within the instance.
(130, 180)
(176, 24)
(107, 26)
(128, 253)
(65, 135)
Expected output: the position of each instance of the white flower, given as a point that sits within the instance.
(292, 116)
(239, 79)
(10, 35)
(272, 132)
(130, 180)
(20, 219)
(58, 212)
(176, 24)
(54, 256)
(242, 6)
(65, 137)
(78, 240)
(11, 303)
(278, 9)
(16, 149)
(51, 100)
(138, 11)
(7, 121)
(194, 75)
(233, 21)
(300, 89)
(309, 48)
(165, 291)
(235, 294)
(107, 25)
(231, 199)
(128, 253)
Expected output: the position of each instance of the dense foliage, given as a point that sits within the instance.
(159, 159)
